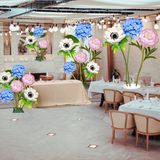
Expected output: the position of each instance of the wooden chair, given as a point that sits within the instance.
(154, 95)
(129, 96)
(146, 125)
(113, 97)
(157, 84)
(121, 121)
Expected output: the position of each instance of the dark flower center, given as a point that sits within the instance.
(5, 78)
(114, 35)
(30, 40)
(92, 67)
(30, 94)
(66, 45)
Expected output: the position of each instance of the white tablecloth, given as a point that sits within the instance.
(143, 107)
(98, 86)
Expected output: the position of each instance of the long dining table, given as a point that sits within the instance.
(60, 93)
(97, 87)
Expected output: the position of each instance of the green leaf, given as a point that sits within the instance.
(97, 74)
(74, 39)
(44, 34)
(31, 33)
(105, 44)
(9, 71)
(36, 102)
(149, 57)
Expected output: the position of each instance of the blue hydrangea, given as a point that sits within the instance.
(132, 27)
(18, 71)
(69, 67)
(7, 95)
(38, 32)
(83, 31)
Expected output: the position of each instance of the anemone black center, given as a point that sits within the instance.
(30, 94)
(30, 40)
(92, 67)
(5, 78)
(66, 45)
(114, 35)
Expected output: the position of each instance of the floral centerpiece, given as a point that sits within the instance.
(34, 42)
(118, 37)
(81, 61)
(17, 86)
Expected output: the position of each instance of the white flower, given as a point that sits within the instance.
(114, 35)
(30, 39)
(66, 44)
(92, 67)
(5, 77)
(30, 94)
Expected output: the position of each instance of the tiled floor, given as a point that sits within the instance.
(26, 139)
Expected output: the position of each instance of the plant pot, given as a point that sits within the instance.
(39, 59)
(18, 110)
(133, 86)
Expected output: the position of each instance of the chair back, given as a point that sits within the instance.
(157, 84)
(128, 98)
(121, 120)
(147, 124)
(154, 95)
(112, 95)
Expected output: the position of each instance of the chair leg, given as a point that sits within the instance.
(125, 137)
(136, 138)
(106, 106)
(143, 138)
(113, 132)
(147, 141)
(114, 106)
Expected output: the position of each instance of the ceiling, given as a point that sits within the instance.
(61, 10)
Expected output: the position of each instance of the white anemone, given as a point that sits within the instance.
(30, 94)
(114, 35)
(5, 77)
(92, 67)
(66, 44)
(30, 39)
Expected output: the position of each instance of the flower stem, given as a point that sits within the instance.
(16, 100)
(140, 66)
(80, 72)
(125, 63)
(128, 64)
(73, 76)
(12, 103)
(76, 66)
(90, 56)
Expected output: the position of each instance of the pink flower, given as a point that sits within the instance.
(28, 79)
(148, 38)
(17, 86)
(43, 43)
(95, 43)
(81, 57)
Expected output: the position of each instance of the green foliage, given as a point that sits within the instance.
(31, 33)
(95, 54)
(91, 75)
(74, 39)
(44, 34)
(73, 51)
(136, 44)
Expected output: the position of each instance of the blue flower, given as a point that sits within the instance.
(132, 27)
(83, 31)
(18, 71)
(7, 95)
(69, 67)
(38, 32)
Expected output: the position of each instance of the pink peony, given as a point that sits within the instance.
(81, 57)
(17, 86)
(95, 43)
(148, 38)
(43, 43)
(28, 79)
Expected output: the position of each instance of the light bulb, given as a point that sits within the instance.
(109, 22)
(0, 33)
(6, 34)
(157, 18)
(11, 27)
(114, 17)
(56, 28)
(104, 26)
(118, 19)
(127, 17)
(100, 26)
(84, 21)
(26, 30)
(92, 23)
(17, 33)
(9, 31)
(156, 25)
(102, 20)
(119, 24)
(50, 30)
(32, 29)
(145, 20)
(17, 27)
(62, 30)
(115, 25)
